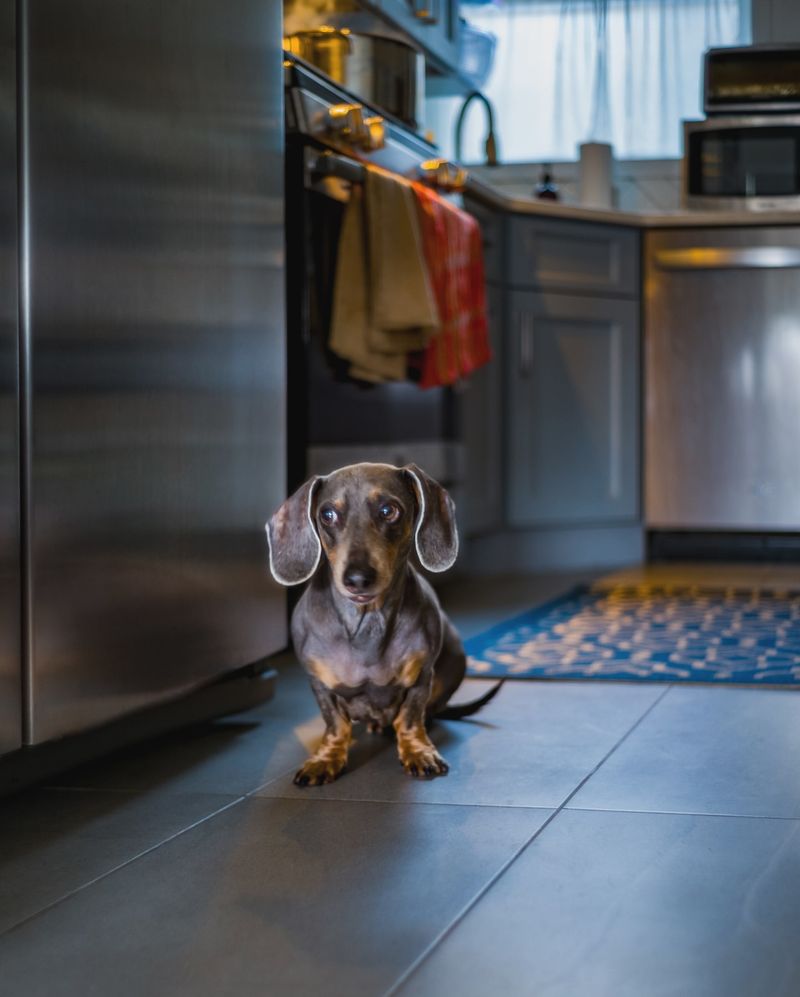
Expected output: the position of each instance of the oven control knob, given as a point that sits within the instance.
(375, 133)
(346, 121)
(443, 174)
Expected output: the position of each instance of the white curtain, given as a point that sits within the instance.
(619, 71)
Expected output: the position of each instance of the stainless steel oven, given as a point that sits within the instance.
(742, 163)
(333, 420)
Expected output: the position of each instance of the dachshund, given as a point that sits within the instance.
(369, 629)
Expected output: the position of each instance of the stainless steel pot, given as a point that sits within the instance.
(383, 72)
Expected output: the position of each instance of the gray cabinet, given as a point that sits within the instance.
(573, 256)
(493, 227)
(552, 430)
(482, 416)
(572, 371)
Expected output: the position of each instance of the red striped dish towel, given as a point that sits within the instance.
(454, 254)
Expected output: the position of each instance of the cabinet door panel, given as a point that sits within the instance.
(483, 432)
(573, 366)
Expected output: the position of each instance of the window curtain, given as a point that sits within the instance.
(620, 71)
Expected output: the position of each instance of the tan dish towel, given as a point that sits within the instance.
(383, 304)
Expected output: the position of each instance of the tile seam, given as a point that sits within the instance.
(449, 928)
(121, 865)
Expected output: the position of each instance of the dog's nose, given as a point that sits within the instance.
(359, 578)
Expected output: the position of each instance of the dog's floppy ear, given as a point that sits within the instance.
(435, 536)
(294, 546)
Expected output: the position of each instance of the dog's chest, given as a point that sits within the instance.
(348, 664)
(339, 665)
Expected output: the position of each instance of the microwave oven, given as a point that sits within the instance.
(742, 163)
(752, 79)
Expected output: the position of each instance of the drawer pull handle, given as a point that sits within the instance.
(719, 258)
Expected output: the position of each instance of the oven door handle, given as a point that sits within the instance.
(723, 258)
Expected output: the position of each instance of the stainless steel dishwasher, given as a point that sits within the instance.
(722, 379)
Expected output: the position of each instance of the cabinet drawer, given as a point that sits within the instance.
(491, 223)
(566, 255)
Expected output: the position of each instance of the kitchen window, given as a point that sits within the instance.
(620, 71)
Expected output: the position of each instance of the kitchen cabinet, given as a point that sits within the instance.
(572, 370)
(552, 428)
(563, 255)
(493, 237)
(482, 422)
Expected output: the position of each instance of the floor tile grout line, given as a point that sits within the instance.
(449, 928)
(275, 778)
(680, 813)
(119, 866)
(412, 803)
(152, 791)
(146, 792)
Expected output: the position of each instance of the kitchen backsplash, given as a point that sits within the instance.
(648, 185)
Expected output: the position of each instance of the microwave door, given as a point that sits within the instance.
(743, 167)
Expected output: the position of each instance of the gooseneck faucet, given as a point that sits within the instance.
(490, 144)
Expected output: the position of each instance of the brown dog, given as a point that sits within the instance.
(369, 629)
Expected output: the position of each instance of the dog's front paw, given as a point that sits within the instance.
(318, 771)
(423, 761)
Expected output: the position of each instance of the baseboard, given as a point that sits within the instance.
(723, 545)
(554, 549)
(237, 691)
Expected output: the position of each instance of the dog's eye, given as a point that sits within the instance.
(389, 512)
(328, 515)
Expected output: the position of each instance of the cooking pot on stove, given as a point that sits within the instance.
(384, 72)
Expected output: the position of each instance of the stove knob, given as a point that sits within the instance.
(375, 137)
(443, 175)
(346, 121)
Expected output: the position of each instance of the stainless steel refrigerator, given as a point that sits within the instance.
(142, 348)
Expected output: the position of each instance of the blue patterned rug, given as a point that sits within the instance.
(649, 634)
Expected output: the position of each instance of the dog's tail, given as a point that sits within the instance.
(467, 709)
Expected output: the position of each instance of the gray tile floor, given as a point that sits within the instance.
(591, 839)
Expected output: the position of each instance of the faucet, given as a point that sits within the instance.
(490, 143)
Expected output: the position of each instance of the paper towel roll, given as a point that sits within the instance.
(596, 174)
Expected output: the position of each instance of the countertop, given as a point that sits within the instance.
(492, 197)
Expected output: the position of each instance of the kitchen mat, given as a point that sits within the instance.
(646, 633)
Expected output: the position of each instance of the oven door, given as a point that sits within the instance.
(751, 163)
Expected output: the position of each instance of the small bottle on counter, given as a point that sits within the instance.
(546, 189)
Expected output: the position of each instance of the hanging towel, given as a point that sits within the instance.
(454, 251)
(384, 305)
